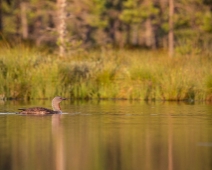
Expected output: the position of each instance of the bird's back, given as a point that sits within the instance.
(37, 111)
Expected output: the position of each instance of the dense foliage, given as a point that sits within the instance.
(121, 74)
(120, 23)
(106, 72)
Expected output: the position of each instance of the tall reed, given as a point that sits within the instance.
(125, 74)
(26, 73)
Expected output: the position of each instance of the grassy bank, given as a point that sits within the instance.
(124, 74)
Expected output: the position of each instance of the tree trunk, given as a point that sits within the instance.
(24, 24)
(127, 29)
(150, 35)
(134, 35)
(1, 22)
(171, 28)
(61, 4)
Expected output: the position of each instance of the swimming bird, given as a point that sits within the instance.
(44, 111)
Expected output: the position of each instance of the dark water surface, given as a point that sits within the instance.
(107, 135)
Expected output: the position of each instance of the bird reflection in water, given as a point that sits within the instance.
(58, 142)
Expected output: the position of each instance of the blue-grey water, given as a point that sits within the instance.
(107, 135)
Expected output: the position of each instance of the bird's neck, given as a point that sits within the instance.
(56, 106)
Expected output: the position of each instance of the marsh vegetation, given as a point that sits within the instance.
(104, 74)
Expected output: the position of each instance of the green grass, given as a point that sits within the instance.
(123, 74)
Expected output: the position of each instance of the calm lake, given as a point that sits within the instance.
(107, 135)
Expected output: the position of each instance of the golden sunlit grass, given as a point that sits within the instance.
(124, 74)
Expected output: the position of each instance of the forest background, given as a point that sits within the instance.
(126, 49)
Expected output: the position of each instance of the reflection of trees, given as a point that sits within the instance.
(103, 142)
(5, 156)
(170, 143)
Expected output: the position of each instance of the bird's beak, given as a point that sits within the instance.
(64, 98)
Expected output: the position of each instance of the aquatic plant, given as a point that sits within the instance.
(103, 74)
(26, 73)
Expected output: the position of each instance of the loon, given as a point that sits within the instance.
(43, 111)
